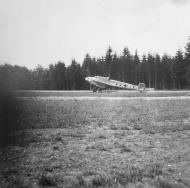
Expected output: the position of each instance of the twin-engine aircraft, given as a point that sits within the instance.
(100, 82)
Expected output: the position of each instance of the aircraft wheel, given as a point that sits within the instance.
(99, 90)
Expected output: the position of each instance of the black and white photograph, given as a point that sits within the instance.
(94, 93)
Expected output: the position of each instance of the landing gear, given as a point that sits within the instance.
(99, 89)
(95, 89)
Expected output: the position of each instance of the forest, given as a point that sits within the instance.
(159, 72)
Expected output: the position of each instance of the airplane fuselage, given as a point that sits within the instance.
(105, 82)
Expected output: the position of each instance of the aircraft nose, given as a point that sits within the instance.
(87, 78)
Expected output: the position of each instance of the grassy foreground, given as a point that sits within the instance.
(104, 93)
(98, 143)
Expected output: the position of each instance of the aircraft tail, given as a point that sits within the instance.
(141, 86)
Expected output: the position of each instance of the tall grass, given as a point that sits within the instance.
(99, 143)
(147, 116)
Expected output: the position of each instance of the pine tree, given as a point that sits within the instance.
(157, 71)
(150, 70)
(108, 61)
(126, 65)
(179, 70)
(167, 79)
(136, 68)
(114, 67)
(187, 63)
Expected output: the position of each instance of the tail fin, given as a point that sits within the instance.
(141, 86)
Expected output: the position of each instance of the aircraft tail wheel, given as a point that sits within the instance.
(94, 89)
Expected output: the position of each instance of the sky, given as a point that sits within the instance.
(41, 32)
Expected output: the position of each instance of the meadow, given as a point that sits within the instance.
(96, 143)
(104, 93)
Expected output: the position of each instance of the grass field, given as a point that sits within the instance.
(107, 93)
(97, 143)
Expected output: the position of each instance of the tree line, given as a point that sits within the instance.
(159, 72)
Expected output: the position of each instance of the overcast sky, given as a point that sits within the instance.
(45, 31)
